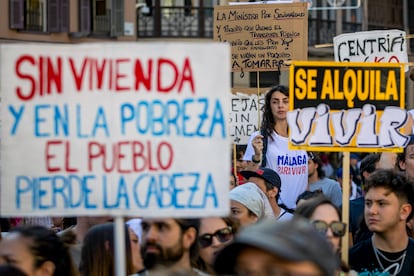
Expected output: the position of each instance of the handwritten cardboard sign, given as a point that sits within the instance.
(347, 106)
(372, 46)
(246, 110)
(263, 37)
(115, 129)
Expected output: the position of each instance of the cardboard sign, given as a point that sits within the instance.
(264, 37)
(115, 129)
(372, 46)
(244, 116)
(347, 106)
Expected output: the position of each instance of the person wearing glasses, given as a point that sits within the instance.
(389, 200)
(215, 234)
(325, 217)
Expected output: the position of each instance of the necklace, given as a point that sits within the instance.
(396, 265)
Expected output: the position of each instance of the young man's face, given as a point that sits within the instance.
(383, 210)
(163, 242)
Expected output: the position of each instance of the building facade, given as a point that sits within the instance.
(64, 21)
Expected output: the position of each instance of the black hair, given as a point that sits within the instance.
(307, 209)
(46, 246)
(185, 224)
(317, 159)
(401, 156)
(11, 270)
(268, 121)
(394, 181)
(368, 164)
(308, 195)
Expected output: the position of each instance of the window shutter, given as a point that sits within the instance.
(85, 16)
(117, 18)
(53, 16)
(16, 14)
(64, 15)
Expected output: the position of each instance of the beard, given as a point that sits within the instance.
(165, 256)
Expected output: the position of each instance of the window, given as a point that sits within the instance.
(101, 17)
(39, 15)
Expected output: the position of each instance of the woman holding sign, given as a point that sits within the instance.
(269, 146)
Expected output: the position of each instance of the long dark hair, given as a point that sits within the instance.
(268, 121)
(45, 246)
(98, 251)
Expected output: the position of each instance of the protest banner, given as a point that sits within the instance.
(347, 106)
(263, 37)
(244, 116)
(115, 129)
(372, 46)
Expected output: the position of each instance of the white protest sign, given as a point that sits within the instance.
(115, 129)
(244, 116)
(372, 46)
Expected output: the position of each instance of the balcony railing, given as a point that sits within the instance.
(197, 22)
(178, 22)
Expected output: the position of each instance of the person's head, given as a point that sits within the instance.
(306, 195)
(98, 251)
(166, 242)
(315, 166)
(135, 237)
(248, 204)
(274, 247)
(36, 250)
(368, 165)
(389, 198)
(325, 217)
(266, 179)
(339, 176)
(215, 233)
(276, 106)
(240, 163)
(405, 160)
(354, 159)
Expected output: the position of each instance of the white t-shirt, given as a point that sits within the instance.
(291, 165)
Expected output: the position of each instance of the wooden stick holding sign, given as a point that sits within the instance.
(346, 183)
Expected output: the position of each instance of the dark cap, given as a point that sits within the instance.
(354, 156)
(293, 240)
(265, 173)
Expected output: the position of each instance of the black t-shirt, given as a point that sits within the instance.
(363, 260)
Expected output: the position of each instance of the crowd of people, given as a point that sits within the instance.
(284, 219)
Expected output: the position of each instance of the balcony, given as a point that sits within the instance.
(175, 22)
(197, 22)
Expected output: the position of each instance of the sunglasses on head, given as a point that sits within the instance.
(338, 228)
(223, 235)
